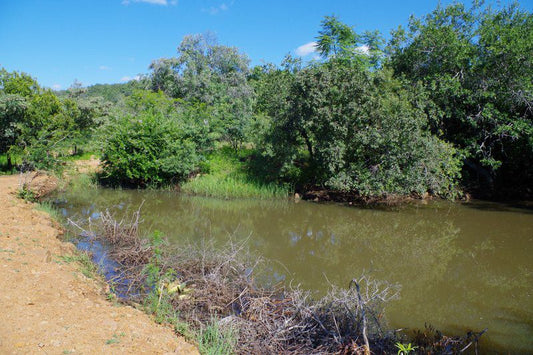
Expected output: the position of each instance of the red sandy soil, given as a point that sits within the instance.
(47, 306)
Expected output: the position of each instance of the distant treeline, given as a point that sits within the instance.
(445, 106)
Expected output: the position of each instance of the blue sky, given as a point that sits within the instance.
(109, 41)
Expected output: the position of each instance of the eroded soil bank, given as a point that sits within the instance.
(49, 306)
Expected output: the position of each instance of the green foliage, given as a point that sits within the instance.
(215, 340)
(26, 194)
(476, 66)
(81, 182)
(83, 259)
(354, 130)
(405, 349)
(339, 41)
(49, 209)
(225, 175)
(160, 144)
(111, 93)
(213, 75)
(458, 105)
(36, 125)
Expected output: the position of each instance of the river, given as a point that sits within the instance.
(461, 266)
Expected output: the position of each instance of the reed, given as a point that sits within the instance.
(226, 176)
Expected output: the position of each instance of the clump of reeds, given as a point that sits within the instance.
(226, 176)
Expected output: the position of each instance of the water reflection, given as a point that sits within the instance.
(460, 266)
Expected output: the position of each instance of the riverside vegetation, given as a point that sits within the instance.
(443, 108)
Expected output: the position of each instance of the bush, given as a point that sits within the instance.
(161, 144)
(149, 149)
(351, 129)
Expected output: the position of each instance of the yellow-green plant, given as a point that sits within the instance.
(404, 349)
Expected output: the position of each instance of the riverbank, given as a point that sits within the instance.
(49, 305)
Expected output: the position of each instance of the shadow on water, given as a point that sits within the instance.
(514, 207)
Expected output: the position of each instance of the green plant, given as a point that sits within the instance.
(83, 181)
(115, 339)
(405, 349)
(87, 267)
(26, 194)
(226, 175)
(49, 209)
(155, 146)
(213, 339)
(348, 128)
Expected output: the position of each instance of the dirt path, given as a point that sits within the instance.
(47, 306)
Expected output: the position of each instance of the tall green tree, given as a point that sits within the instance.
(336, 40)
(476, 64)
(360, 131)
(211, 74)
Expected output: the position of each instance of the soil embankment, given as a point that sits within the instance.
(48, 306)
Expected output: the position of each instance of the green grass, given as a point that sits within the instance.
(49, 209)
(26, 194)
(226, 177)
(87, 267)
(115, 339)
(82, 156)
(83, 181)
(215, 340)
(211, 340)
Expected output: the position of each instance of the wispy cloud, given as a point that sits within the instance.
(310, 48)
(153, 2)
(364, 49)
(104, 67)
(306, 49)
(56, 87)
(129, 78)
(214, 10)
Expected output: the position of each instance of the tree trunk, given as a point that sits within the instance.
(9, 162)
(308, 143)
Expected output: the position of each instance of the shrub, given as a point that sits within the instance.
(350, 129)
(154, 147)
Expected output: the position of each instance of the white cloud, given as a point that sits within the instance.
(56, 87)
(104, 67)
(154, 2)
(129, 78)
(306, 49)
(364, 49)
(213, 10)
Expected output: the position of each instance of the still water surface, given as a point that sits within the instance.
(461, 266)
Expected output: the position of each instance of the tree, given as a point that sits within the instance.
(339, 41)
(361, 132)
(33, 120)
(211, 74)
(476, 64)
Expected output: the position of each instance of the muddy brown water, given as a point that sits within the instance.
(461, 266)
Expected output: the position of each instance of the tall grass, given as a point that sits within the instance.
(214, 339)
(83, 181)
(225, 175)
(82, 155)
(49, 209)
